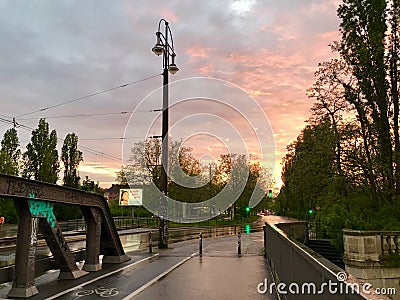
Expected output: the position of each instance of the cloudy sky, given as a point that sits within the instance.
(57, 51)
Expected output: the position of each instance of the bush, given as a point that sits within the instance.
(7, 210)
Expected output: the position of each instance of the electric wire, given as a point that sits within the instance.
(88, 115)
(87, 96)
(90, 150)
(6, 121)
(112, 138)
(16, 124)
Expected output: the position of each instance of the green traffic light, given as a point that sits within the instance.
(247, 230)
(310, 211)
(247, 209)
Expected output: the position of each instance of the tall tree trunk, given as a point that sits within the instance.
(395, 95)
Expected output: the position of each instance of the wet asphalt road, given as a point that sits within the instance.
(219, 274)
(175, 273)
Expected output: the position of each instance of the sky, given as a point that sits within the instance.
(55, 52)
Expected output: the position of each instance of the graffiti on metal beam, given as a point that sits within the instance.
(61, 240)
(32, 244)
(42, 209)
(23, 188)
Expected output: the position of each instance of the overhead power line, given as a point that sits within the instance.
(88, 115)
(87, 96)
(6, 121)
(90, 150)
(112, 138)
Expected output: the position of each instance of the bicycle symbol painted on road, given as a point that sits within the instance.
(100, 291)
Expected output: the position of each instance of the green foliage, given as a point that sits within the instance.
(6, 164)
(117, 210)
(387, 218)
(65, 212)
(234, 173)
(90, 186)
(333, 218)
(41, 157)
(121, 176)
(346, 162)
(8, 211)
(307, 170)
(10, 153)
(71, 157)
(391, 260)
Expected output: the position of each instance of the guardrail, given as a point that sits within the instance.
(300, 273)
(120, 223)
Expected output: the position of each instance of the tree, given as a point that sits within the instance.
(71, 157)
(328, 93)
(308, 169)
(10, 153)
(240, 176)
(121, 176)
(41, 157)
(145, 165)
(9, 164)
(364, 48)
(357, 106)
(90, 186)
(189, 181)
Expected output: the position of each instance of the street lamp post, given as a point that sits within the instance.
(163, 47)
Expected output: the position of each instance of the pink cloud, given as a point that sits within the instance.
(167, 14)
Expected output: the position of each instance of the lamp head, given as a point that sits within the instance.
(158, 48)
(172, 66)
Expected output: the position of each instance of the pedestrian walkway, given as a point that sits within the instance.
(175, 273)
(218, 274)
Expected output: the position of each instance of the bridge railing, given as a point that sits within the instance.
(390, 241)
(300, 273)
(120, 223)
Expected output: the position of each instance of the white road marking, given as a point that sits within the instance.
(102, 276)
(155, 279)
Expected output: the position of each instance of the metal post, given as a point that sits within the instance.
(239, 244)
(150, 244)
(201, 244)
(163, 237)
(167, 50)
(265, 239)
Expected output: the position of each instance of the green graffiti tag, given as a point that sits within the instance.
(42, 209)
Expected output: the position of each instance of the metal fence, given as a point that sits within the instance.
(300, 273)
(120, 223)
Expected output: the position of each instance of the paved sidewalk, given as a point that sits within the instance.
(219, 274)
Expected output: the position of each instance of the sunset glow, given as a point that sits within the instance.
(53, 53)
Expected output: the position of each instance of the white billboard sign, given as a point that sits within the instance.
(129, 197)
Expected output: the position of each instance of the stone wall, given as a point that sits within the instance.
(296, 230)
(363, 255)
